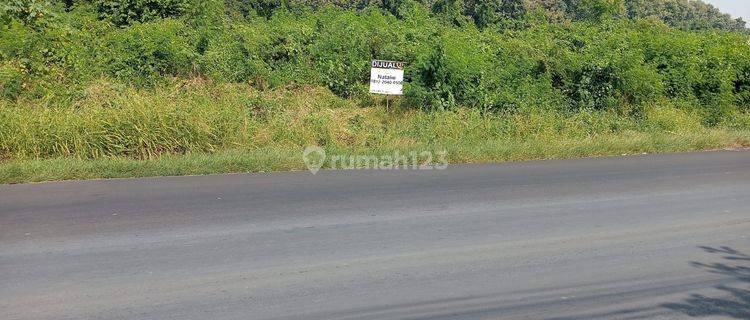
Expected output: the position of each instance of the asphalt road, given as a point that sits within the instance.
(644, 237)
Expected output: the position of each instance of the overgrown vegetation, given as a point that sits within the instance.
(196, 127)
(143, 79)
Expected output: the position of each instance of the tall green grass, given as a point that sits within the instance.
(196, 126)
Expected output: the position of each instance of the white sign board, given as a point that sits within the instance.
(387, 77)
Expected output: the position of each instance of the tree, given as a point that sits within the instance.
(490, 12)
(599, 10)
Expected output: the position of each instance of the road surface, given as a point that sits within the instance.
(643, 237)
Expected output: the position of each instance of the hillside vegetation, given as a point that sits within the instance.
(112, 88)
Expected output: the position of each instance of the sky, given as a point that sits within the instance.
(737, 8)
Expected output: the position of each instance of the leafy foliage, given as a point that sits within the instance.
(686, 15)
(126, 12)
(493, 55)
(31, 12)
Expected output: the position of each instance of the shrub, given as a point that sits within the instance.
(34, 13)
(742, 88)
(594, 86)
(11, 80)
(144, 52)
(127, 12)
(263, 8)
(493, 12)
(599, 10)
(231, 56)
(29, 58)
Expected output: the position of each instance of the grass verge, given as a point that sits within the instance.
(202, 128)
(237, 161)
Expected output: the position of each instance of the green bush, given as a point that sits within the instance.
(498, 13)
(34, 13)
(144, 52)
(11, 80)
(232, 56)
(742, 88)
(126, 12)
(599, 10)
(30, 58)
